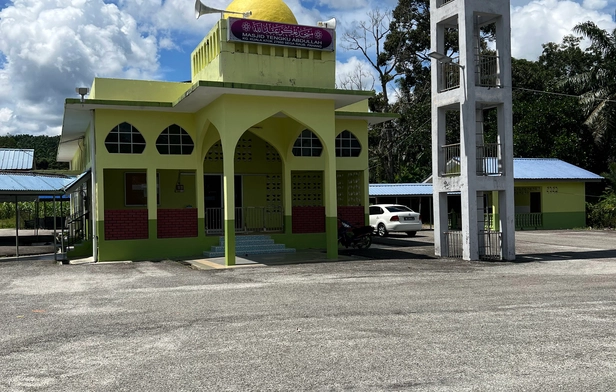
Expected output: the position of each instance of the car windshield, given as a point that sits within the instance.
(398, 209)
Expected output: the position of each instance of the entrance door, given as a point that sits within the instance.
(214, 202)
(535, 202)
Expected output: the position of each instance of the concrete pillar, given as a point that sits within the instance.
(331, 202)
(200, 195)
(287, 198)
(152, 192)
(229, 202)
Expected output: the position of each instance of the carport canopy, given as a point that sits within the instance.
(29, 186)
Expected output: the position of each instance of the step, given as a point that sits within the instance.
(248, 240)
(249, 246)
(252, 252)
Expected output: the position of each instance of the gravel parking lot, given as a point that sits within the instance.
(390, 318)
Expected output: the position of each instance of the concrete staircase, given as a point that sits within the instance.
(246, 245)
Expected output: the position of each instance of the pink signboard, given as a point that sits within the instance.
(280, 34)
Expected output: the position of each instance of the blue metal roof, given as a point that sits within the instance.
(550, 169)
(523, 169)
(16, 159)
(400, 190)
(33, 183)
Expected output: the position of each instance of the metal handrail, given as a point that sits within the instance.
(247, 219)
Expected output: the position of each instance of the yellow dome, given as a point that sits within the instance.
(269, 10)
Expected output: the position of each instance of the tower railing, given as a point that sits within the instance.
(490, 244)
(452, 163)
(441, 3)
(454, 245)
(488, 161)
(450, 76)
(486, 71)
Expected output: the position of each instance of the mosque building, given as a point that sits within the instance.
(258, 144)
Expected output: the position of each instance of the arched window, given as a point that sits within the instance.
(307, 145)
(174, 140)
(125, 139)
(347, 145)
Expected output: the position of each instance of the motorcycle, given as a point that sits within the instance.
(359, 237)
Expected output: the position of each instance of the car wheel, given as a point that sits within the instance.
(381, 230)
(411, 233)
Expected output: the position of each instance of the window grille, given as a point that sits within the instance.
(125, 139)
(174, 140)
(347, 145)
(307, 145)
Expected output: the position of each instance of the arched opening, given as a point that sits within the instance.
(258, 186)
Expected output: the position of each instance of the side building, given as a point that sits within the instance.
(548, 194)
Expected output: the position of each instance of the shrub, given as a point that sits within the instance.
(603, 214)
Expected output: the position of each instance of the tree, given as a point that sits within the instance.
(368, 37)
(597, 85)
(548, 120)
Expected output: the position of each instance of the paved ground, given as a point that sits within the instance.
(391, 318)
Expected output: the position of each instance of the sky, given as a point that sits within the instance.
(50, 47)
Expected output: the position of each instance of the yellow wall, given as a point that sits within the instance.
(555, 196)
(169, 198)
(215, 59)
(361, 107)
(81, 159)
(150, 125)
(137, 90)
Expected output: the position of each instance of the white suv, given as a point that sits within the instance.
(394, 217)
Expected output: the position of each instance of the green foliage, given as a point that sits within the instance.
(547, 120)
(28, 211)
(610, 177)
(596, 83)
(603, 213)
(45, 149)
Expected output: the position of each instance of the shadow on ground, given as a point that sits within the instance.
(564, 256)
(384, 254)
(403, 241)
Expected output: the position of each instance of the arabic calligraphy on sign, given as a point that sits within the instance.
(282, 34)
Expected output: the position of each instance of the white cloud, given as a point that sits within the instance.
(344, 4)
(595, 4)
(50, 47)
(543, 21)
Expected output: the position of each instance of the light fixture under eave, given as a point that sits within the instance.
(202, 9)
(179, 187)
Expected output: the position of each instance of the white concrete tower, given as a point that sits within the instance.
(470, 81)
